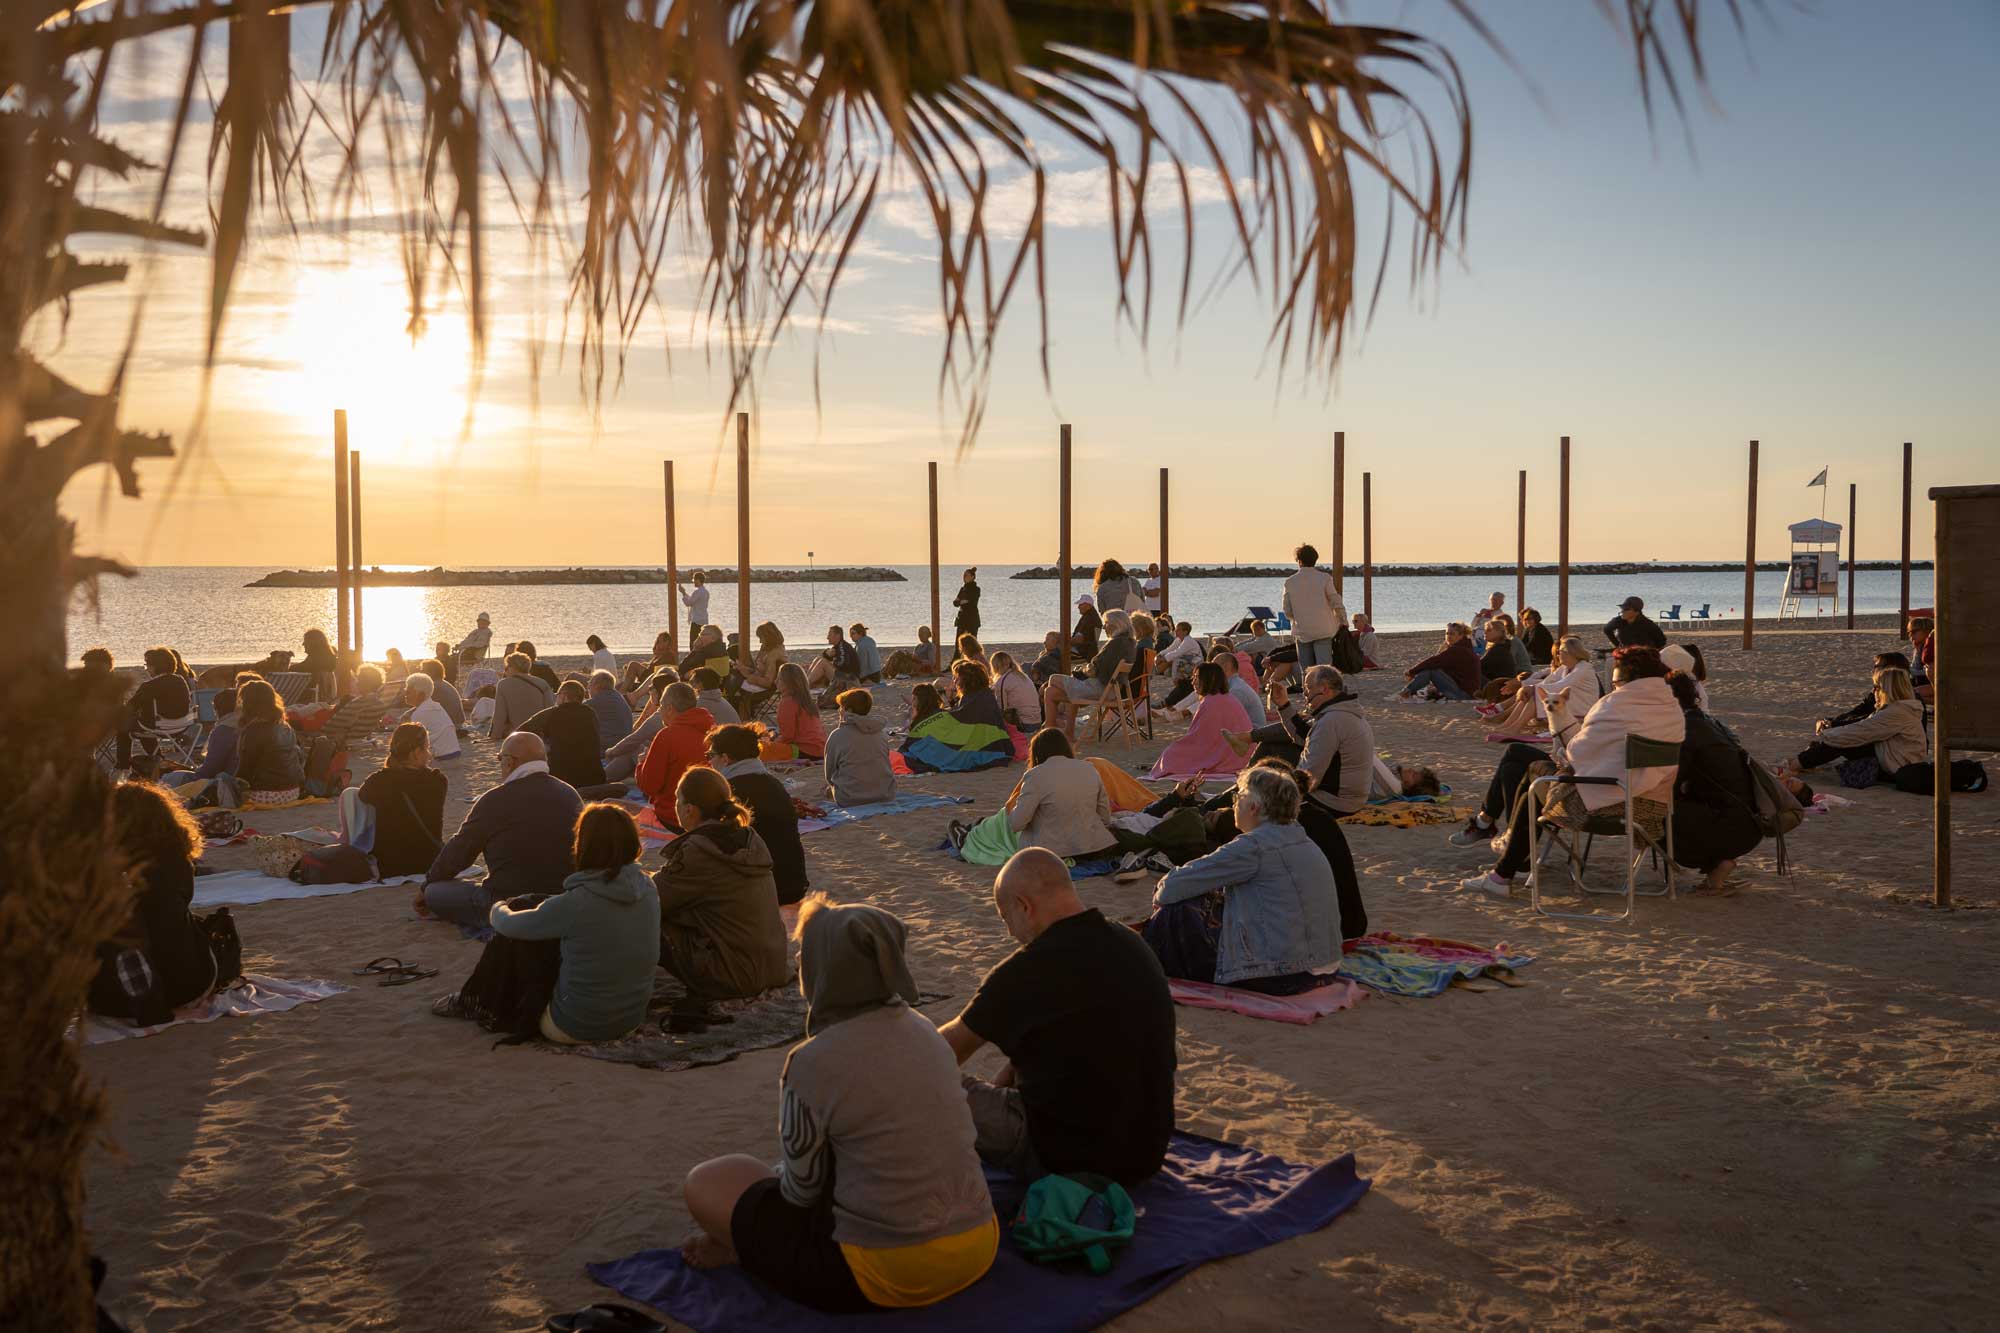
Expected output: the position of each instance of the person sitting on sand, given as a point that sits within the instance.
(1571, 671)
(1047, 663)
(359, 716)
(720, 932)
(1535, 637)
(1367, 641)
(974, 687)
(428, 713)
(1082, 1013)
(613, 715)
(1180, 658)
(708, 649)
(446, 693)
(1452, 672)
(1641, 703)
(218, 754)
(1633, 628)
(1217, 715)
(733, 752)
(159, 959)
(570, 731)
(918, 661)
(522, 827)
(1061, 805)
(801, 733)
(1260, 912)
(1892, 736)
(269, 768)
(1020, 701)
(837, 666)
(1063, 693)
(867, 653)
(320, 664)
(1923, 655)
(969, 649)
(877, 1200)
(1258, 643)
(623, 757)
(708, 695)
(517, 696)
(681, 743)
(402, 825)
(1867, 704)
(1503, 663)
(857, 754)
(395, 670)
(1239, 688)
(1715, 799)
(633, 676)
(757, 680)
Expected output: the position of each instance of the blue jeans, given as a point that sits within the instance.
(1314, 652)
(1446, 686)
(463, 902)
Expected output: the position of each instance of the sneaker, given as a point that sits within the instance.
(1132, 866)
(1474, 834)
(450, 1006)
(1490, 884)
(1160, 863)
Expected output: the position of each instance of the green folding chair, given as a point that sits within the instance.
(1641, 842)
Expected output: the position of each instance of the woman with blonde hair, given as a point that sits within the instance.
(1020, 701)
(720, 932)
(1570, 669)
(1892, 736)
(801, 733)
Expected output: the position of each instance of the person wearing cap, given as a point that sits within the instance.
(967, 602)
(1083, 638)
(1633, 628)
(480, 640)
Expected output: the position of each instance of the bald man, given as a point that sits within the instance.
(1082, 1013)
(524, 828)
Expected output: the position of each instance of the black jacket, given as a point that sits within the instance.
(967, 602)
(1540, 643)
(1641, 633)
(267, 757)
(409, 818)
(776, 821)
(160, 697)
(164, 929)
(571, 733)
(525, 829)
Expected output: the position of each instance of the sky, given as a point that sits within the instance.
(1806, 261)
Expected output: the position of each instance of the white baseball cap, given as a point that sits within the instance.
(1085, 599)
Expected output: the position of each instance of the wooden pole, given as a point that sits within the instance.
(1850, 554)
(1903, 620)
(1368, 546)
(1941, 703)
(937, 627)
(1521, 550)
(1339, 508)
(743, 538)
(1562, 545)
(1750, 558)
(673, 567)
(1166, 606)
(1062, 541)
(341, 530)
(354, 514)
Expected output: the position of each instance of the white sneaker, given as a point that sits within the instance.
(1131, 866)
(1489, 883)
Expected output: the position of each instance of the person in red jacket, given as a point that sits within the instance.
(1452, 671)
(682, 743)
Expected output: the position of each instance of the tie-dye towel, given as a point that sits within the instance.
(1421, 966)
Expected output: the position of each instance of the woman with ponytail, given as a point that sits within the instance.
(720, 932)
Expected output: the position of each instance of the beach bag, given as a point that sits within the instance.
(1967, 775)
(275, 854)
(338, 864)
(219, 824)
(1074, 1217)
(513, 981)
(1778, 811)
(1859, 772)
(225, 944)
(326, 768)
(1347, 658)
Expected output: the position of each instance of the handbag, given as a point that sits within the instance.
(225, 944)
(338, 864)
(1074, 1217)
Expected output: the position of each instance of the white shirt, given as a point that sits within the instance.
(697, 605)
(523, 770)
(602, 660)
(444, 736)
(1151, 589)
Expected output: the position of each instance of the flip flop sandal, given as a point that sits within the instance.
(375, 965)
(403, 976)
(605, 1319)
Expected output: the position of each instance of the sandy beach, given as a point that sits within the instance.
(1771, 1110)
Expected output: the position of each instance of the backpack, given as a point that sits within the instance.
(326, 768)
(1777, 811)
(225, 944)
(1071, 1217)
(338, 864)
(1346, 653)
(1967, 775)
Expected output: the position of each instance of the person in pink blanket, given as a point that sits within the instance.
(1203, 749)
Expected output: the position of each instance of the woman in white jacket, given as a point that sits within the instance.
(1016, 693)
(1571, 670)
(1892, 735)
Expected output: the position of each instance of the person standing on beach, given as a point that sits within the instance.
(1312, 602)
(696, 603)
(1632, 627)
(479, 641)
(1150, 590)
(967, 602)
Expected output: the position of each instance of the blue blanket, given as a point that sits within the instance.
(1212, 1200)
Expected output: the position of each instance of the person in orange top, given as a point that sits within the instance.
(801, 733)
(681, 744)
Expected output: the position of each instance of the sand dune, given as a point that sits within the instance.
(1772, 1110)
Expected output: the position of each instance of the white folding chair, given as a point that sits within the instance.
(1640, 841)
(170, 737)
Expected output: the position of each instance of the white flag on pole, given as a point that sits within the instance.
(1820, 480)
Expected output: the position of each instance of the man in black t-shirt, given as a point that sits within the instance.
(1082, 1012)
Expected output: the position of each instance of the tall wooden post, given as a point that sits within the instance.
(1521, 550)
(1166, 568)
(1062, 541)
(1942, 634)
(1903, 620)
(354, 513)
(743, 538)
(1368, 546)
(1850, 554)
(937, 628)
(1562, 544)
(673, 567)
(341, 531)
(1339, 508)
(1750, 558)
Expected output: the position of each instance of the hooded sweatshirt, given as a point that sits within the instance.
(857, 761)
(609, 927)
(720, 931)
(1596, 749)
(679, 746)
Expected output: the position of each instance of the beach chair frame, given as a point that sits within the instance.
(172, 737)
(1119, 707)
(1640, 752)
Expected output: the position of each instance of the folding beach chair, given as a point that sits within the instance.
(1643, 836)
(292, 686)
(170, 738)
(204, 711)
(1119, 706)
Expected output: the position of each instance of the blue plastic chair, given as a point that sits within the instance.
(1701, 614)
(1673, 613)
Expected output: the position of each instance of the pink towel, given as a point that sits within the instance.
(1331, 998)
(1203, 749)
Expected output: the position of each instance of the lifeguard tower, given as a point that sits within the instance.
(1814, 573)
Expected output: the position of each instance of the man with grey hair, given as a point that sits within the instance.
(1062, 693)
(524, 828)
(1082, 1012)
(518, 695)
(614, 715)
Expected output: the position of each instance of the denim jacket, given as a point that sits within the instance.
(1279, 911)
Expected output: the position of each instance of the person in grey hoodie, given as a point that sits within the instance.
(857, 754)
(608, 920)
(517, 697)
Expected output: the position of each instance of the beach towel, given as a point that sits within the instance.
(240, 888)
(1203, 749)
(1421, 966)
(1405, 814)
(246, 999)
(943, 744)
(1210, 1201)
(834, 816)
(1081, 869)
(1338, 993)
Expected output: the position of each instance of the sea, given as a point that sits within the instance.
(209, 614)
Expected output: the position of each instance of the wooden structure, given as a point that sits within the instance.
(1851, 491)
(1339, 510)
(1166, 569)
(1562, 544)
(1903, 619)
(1750, 558)
(1368, 546)
(743, 538)
(341, 532)
(1521, 549)
(1967, 631)
(1062, 545)
(936, 624)
(354, 514)
(673, 568)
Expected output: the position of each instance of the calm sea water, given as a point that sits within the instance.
(209, 615)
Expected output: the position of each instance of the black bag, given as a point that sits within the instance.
(513, 981)
(225, 944)
(1347, 658)
(338, 864)
(1967, 775)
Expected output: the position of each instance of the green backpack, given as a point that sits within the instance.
(1067, 1217)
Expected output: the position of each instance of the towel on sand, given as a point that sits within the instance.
(1338, 993)
(1421, 966)
(240, 888)
(1406, 814)
(246, 999)
(1210, 1201)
